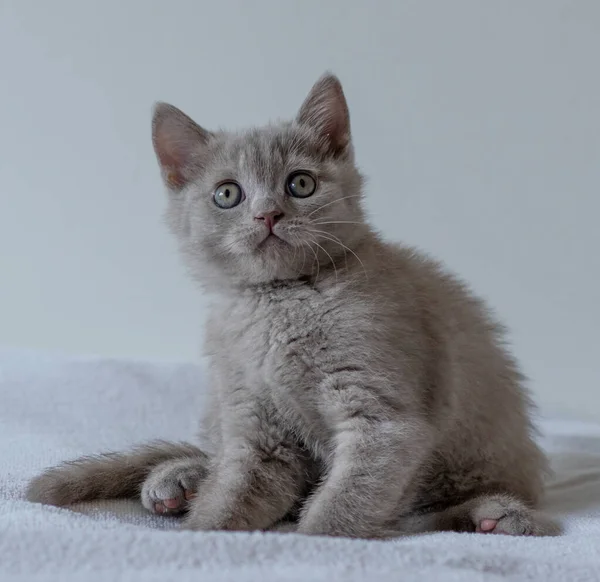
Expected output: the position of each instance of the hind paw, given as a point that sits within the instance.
(506, 516)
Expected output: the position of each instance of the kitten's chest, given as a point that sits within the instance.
(292, 329)
(274, 351)
(277, 340)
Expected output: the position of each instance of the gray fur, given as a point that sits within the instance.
(355, 383)
(176, 480)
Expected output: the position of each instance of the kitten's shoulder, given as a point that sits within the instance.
(402, 266)
(412, 260)
(412, 276)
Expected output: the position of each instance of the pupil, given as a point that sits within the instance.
(227, 193)
(302, 182)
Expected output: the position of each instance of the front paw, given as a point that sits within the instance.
(170, 486)
(323, 526)
(341, 525)
(213, 513)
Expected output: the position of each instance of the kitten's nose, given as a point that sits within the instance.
(270, 217)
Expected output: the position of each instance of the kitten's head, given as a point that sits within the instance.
(272, 203)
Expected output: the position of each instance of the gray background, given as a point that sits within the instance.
(477, 123)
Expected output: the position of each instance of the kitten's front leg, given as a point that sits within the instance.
(375, 457)
(258, 479)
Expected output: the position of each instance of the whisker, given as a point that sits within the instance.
(333, 202)
(330, 258)
(303, 258)
(295, 250)
(336, 222)
(332, 239)
(300, 246)
(317, 259)
(336, 240)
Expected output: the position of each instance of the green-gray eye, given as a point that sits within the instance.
(301, 185)
(228, 195)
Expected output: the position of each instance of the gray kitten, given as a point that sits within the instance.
(356, 386)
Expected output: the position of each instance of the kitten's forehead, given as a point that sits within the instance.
(267, 152)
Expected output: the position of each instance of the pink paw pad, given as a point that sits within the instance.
(171, 503)
(487, 525)
(174, 504)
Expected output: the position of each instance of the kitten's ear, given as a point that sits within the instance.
(325, 111)
(179, 143)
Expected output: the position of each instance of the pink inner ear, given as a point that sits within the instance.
(170, 154)
(336, 126)
(178, 142)
(170, 162)
(175, 179)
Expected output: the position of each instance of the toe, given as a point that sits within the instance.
(487, 525)
(172, 503)
(189, 494)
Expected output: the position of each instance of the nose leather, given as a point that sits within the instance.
(269, 218)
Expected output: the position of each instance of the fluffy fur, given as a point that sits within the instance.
(356, 386)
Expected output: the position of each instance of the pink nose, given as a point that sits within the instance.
(270, 218)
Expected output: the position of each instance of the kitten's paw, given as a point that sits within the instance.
(503, 515)
(171, 485)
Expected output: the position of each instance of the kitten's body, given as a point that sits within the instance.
(358, 383)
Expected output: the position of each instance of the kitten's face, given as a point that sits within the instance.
(273, 203)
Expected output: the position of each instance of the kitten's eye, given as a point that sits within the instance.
(301, 185)
(227, 195)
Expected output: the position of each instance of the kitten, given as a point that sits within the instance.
(356, 386)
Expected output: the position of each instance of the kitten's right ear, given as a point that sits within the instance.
(180, 145)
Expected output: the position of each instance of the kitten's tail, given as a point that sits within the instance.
(106, 476)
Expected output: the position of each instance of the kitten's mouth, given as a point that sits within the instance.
(272, 239)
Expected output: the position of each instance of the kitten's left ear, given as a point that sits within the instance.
(325, 110)
(180, 145)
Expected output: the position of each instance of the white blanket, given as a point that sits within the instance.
(53, 409)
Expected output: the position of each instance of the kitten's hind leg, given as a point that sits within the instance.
(172, 484)
(106, 476)
(488, 514)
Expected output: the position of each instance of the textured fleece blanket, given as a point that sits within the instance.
(53, 409)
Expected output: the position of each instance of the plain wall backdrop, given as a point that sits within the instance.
(477, 123)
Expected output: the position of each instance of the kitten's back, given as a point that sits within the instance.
(473, 390)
